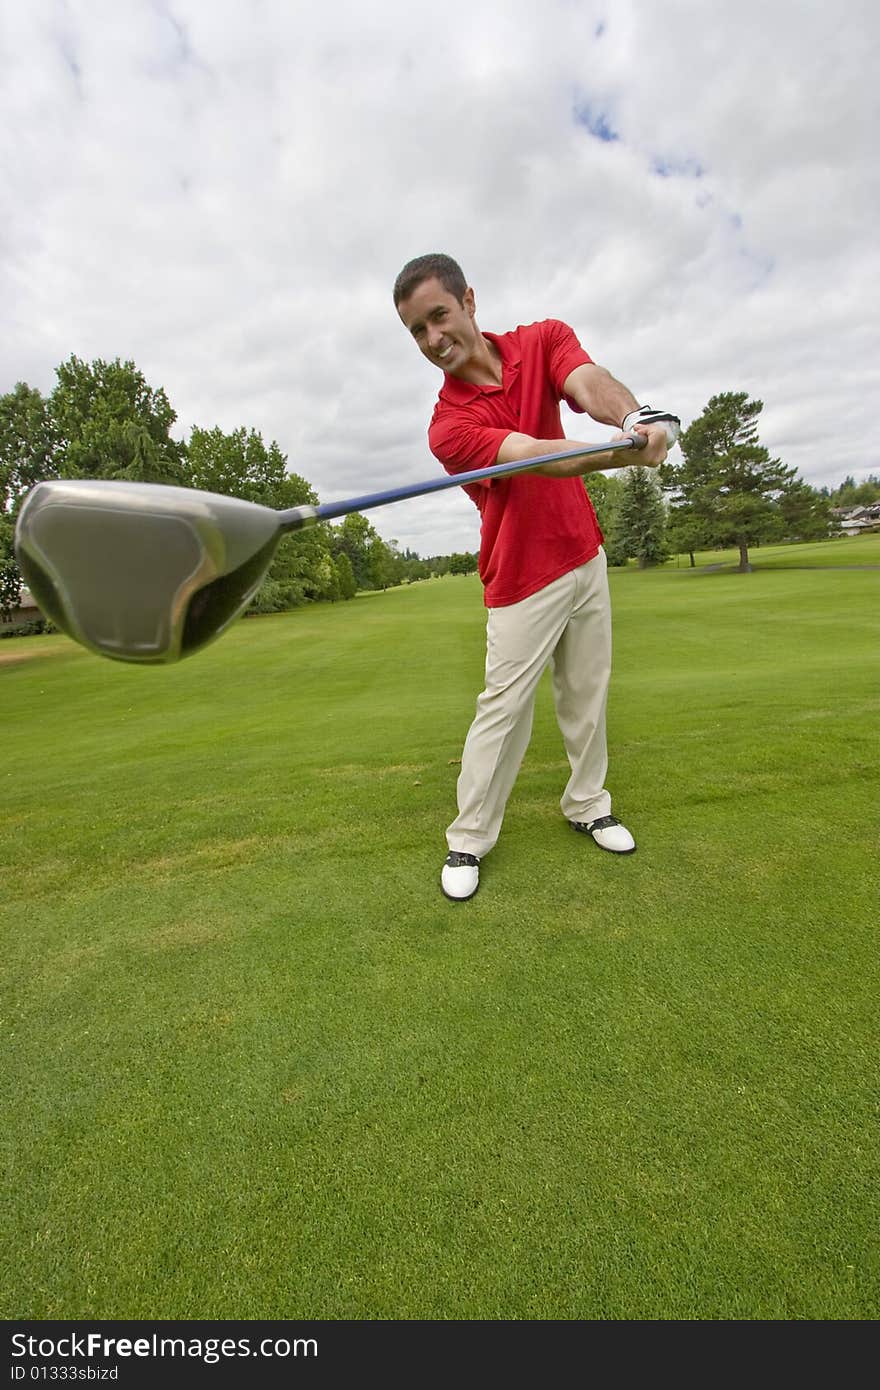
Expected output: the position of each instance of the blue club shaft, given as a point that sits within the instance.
(296, 517)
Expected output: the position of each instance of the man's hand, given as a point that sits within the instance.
(653, 454)
(596, 391)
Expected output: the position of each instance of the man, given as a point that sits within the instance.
(541, 558)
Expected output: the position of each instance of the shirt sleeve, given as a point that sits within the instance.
(461, 443)
(563, 353)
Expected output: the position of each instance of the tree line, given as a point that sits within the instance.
(103, 420)
(727, 492)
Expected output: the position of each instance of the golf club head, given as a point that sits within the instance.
(140, 571)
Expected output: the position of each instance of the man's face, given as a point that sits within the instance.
(444, 330)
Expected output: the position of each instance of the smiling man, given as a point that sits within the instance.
(541, 559)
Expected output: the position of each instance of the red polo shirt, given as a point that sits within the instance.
(534, 529)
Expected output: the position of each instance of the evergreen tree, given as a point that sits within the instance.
(641, 518)
(605, 492)
(684, 532)
(806, 514)
(728, 480)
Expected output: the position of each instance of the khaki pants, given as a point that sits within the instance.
(567, 624)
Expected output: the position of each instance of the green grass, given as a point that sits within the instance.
(256, 1066)
(843, 551)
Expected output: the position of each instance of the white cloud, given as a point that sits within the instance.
(224, 193)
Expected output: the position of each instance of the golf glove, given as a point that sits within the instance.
(646, 415)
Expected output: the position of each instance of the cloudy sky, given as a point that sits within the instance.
(224, 190)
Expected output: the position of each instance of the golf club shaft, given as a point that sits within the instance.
(296, 517)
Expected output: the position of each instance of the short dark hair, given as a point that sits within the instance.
(430, 267)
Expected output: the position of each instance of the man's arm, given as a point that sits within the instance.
(597, 392)
(604, 399)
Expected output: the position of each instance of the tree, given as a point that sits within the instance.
(354, 538)
(414, 567)
(684, 532)
(109, 423)
(727, 479)
(27, 457)
(10, 574)
(302, 571)
(463, 563)
(605, 491)
(379, 564)
(27, 445)
(396, 568)
(853, 494)
(806, 514)
(345, 576)
(101, 420)
(641, 519)
(240, 465)
(375, 564)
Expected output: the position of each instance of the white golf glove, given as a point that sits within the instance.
(646, 415)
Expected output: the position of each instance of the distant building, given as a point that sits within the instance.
(853, 521)
(26, 612)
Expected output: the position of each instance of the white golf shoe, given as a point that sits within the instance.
(608, 833)
(460, 876)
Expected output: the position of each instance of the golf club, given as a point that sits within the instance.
(150, 573)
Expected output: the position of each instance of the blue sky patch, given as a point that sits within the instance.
(667, 168)
(595, 121)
